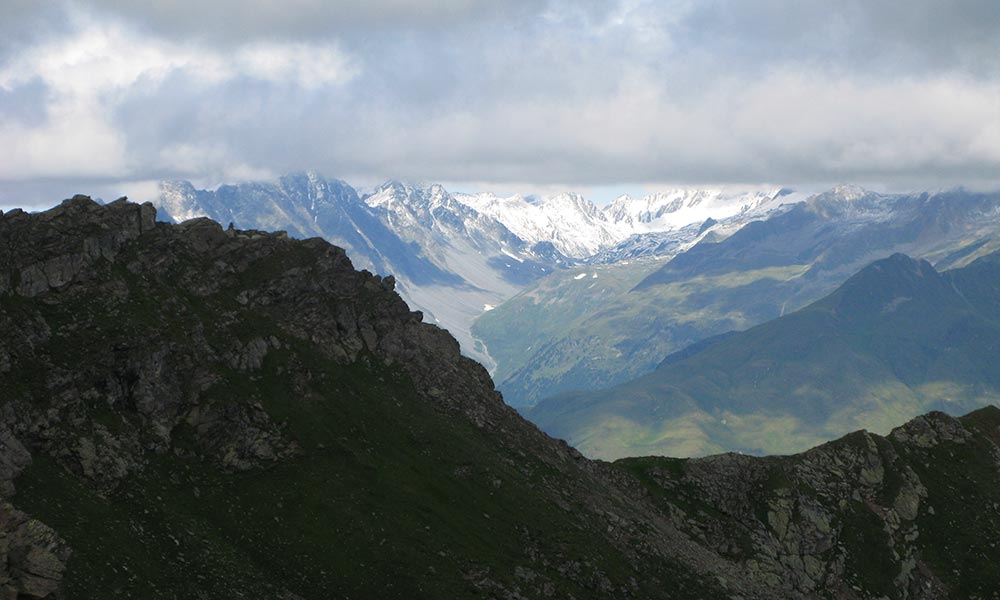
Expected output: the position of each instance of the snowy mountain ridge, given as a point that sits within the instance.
(574, 225)
(454, 255)
(578, 228)
(666, 211)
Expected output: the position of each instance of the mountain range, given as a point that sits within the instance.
(897, 339)
(600, 324)
(194, 411)
(456, 256)
(555, 296)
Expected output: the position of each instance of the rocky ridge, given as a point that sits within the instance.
(126, 338)
(864, 516)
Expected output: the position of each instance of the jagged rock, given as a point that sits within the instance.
(32, 556)
(930, 430)
(14, 457)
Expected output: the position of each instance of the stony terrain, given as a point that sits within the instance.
(193, 412)
(910, 515)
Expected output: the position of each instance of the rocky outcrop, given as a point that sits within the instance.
(14, 457)
(55, 263)
(854, 518)
(32, 557)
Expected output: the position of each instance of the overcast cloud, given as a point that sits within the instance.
(101, 99)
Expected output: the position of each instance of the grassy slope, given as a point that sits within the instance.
(877, 352)
(567, 334)
(958, 537)
(559, 302)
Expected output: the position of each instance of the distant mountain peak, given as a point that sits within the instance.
(849, 192)
(884, 285)
(897, 266)
(673, 209)
(179, 200)
(392, 185)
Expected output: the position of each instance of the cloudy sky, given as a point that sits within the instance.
(593, 96)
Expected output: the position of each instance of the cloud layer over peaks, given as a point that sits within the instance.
(104, 93)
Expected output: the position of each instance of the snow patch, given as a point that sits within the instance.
(514, 256)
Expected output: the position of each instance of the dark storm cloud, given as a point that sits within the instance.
(532, 93)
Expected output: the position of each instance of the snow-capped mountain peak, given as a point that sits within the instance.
(452, 254)
(848, 192)
(569, 221)
(179, 200)
(673, 209)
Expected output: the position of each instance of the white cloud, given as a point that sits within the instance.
(87, 75)
(537, 93)
(309, 66)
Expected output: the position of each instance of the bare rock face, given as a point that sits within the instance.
(859, 517)
(83, 252)
(60, 263)
(14, 457)
(32, 556)
(931, 430)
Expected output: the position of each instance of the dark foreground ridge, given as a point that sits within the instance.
(188, 412)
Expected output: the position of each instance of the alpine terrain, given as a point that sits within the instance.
(457, 256)
(605, 322)
(195, 411)
(897, 339)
